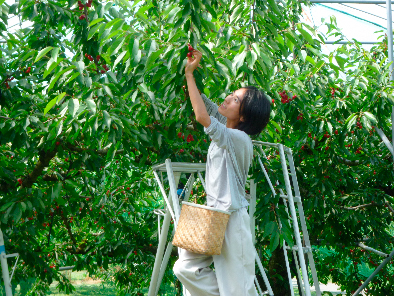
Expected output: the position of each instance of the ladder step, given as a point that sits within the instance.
(295, 248)
(12, 255)
(295, 198)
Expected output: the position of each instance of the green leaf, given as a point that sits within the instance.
(75, 75)
(237, 11)
(56, 190)
(112, 75)
(42, 53)
(341, 61)
(108, 90)
(119, 58)
(269, 228)
(310, 60)
(53, 81)
(350, 121)
(91, 105)
(49, 105)
(363, 86)
(274, 6)
(53, 102)
(370, 116)
(52, 66)
(6, 206)
(73, 106)
(107, 119)
(94, 30)
(274, 241)
(95, 21)
(17, 213)
(23, 206)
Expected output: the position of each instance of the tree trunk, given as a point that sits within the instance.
(278, 273)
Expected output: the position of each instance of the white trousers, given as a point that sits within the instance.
(234, 267)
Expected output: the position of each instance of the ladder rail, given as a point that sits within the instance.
(294, 218)
(302, 220)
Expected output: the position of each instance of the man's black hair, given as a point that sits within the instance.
(255, 109)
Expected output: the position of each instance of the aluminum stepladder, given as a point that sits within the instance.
(289, 201)
(174, 171)
(4, 266)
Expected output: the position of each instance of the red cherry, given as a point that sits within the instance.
(20, 181)
(189, 54)
(80, 7)
(102, 71)
(89, 4)
(57, 143)
(98, 57)
(190, 48)
(82, 17)
(87, 199)
(80, 209)
(181, 150)
(336, 132)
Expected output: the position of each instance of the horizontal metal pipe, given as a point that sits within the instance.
(350, 1)
(385, 261)
(361, 245)
(66, 268)
(349, 42)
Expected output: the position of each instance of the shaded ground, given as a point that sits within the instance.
(84, 285)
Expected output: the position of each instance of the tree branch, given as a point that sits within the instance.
(348, 162)
(68, 229)
(102, 152)
(360, 207)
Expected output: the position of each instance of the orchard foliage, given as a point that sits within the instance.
(94, 93)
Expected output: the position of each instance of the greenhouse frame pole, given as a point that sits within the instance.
(390, 55)
(4, 267)
(381, 134)
(349, 1)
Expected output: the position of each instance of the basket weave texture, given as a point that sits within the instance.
(201, 230)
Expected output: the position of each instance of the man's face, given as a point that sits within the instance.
(231, 105)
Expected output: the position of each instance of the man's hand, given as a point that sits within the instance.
(193, 62)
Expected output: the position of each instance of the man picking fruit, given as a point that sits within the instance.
(244, 112)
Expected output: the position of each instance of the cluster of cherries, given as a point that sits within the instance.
(285, 98)
(333, 91)
(300, 117)
(6, 82)
(190, 48)
(90, 58)
(359, 125)
(188, 139)
(81, 7)
(358, 151)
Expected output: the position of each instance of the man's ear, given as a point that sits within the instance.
(241, 119)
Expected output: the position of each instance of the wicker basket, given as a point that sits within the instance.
(201, 229)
